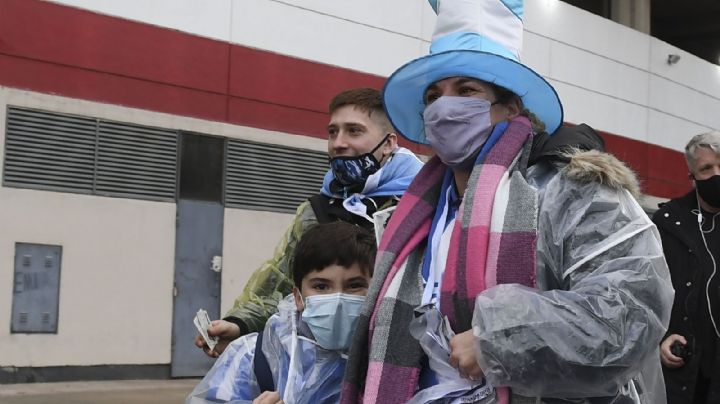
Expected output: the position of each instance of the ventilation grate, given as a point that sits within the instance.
(136, 161)
(270, 177)
(56, 152)
(50, 151)
(46, 150)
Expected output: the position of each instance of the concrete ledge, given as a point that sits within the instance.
(26, 389)
(11, 374)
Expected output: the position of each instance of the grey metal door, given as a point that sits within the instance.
(197, 281)
(198, 247)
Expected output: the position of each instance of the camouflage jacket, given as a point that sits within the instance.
(273, 279)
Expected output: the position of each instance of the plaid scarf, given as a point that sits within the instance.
(493, 242)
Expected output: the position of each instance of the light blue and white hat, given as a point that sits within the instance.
(479, 39)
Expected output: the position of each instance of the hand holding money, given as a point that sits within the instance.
(202, 323)
(225, 331)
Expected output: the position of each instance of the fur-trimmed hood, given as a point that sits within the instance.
(591, 165)
(579, 151)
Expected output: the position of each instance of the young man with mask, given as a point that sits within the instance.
(691, 240)
(303, 345)
(549, 276)
(368, 174)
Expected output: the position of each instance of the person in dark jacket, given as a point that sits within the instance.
(691, 240)
(368, 174)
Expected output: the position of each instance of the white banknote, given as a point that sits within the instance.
(202, 322)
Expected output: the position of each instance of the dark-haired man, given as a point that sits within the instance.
(369, 173)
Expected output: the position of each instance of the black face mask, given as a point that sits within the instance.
(709, 190)
(349, 171)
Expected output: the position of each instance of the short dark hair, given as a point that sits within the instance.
(334, 243)
(368, 100)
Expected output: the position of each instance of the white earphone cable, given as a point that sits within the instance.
(712, 258)
(701, 220)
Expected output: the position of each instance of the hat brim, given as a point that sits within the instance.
(404, 90)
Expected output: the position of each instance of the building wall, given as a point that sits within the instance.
(115, 287)
(264, 70)
(250, 239)
(274, 65)
(118, 257)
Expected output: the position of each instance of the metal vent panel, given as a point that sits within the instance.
(46, 150)
(271, 177)
(136, 161)
(36, 288)
(51, 151)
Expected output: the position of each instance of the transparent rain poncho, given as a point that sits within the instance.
(302, 371)
(433, 332)
(602, 303)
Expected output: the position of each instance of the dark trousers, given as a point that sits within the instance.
(701, 389)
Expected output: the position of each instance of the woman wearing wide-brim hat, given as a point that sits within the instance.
(547, 269)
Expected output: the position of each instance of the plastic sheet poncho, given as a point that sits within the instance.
(600, 309)
(433, 332)
(302, 371)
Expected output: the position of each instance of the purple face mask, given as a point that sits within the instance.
(457, 127)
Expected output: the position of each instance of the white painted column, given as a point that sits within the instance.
(632, 13)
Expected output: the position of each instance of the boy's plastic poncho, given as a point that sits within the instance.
(601, 306)
(302, 371)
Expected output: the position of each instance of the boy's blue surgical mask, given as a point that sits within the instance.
(332, 318)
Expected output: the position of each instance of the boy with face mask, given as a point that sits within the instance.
(368, 173)
(304, 344)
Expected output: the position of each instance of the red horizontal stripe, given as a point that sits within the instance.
(104, 87)
(269, 77)
(50, 48)
(67, 36)
(277, 117)
(663, 172)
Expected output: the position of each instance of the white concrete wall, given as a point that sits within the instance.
(118, 254)
(250, 239)
(617, 79)
(608, 75)
(115, 285)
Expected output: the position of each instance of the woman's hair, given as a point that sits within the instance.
(335, 243)
(505, 96)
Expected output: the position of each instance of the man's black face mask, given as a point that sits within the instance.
(709, 190)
